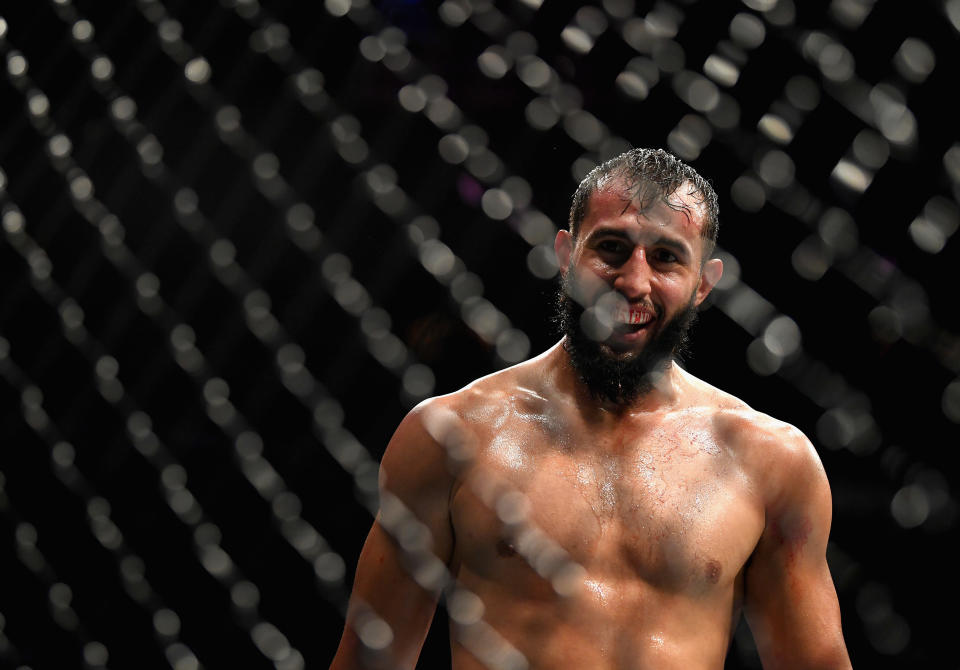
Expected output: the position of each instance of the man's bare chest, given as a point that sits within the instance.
(670, 507)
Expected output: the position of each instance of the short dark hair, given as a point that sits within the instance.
(652, 174)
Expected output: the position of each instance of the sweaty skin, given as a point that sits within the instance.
(674, 514)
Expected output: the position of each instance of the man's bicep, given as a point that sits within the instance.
(389, 612)
(403, 564)
(791, 603)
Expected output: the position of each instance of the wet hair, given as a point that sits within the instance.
(650, 174)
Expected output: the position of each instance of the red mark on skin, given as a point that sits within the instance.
(713, 571)
(793, 536)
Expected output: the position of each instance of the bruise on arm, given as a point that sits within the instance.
(790, 600)
(415, 485)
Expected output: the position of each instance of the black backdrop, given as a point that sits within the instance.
(241, 239)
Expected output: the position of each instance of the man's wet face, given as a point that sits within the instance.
(608, 374)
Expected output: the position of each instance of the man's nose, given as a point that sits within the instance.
(633, 278)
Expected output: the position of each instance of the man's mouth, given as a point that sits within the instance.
(633, 317)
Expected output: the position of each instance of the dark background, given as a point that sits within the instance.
(225, 281)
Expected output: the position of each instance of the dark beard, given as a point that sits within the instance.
(620, 379)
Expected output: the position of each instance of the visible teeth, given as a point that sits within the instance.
(634, 317)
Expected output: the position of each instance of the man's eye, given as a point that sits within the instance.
(665, 256)
(610, 246)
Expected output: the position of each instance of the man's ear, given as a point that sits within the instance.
(709, 276)
(563, 246)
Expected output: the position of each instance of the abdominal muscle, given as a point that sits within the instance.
(611, 624)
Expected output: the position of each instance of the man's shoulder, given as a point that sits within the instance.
(489, 393)
(751, 431)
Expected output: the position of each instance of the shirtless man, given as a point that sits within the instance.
(598, 507)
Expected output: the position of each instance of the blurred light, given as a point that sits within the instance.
(914, 60)
(802, 92)
(494, 62)
(584, 128)
(619, 9)
(910, 506)
(123, 108)
(887, 631)
(836, 62)
(16, 64)
(776, 168)
(13, 222)
(760, 5)
(101, 68)
(181, 658)
(497, 204)
(690, 137)
(747, 30)
(513, 345)
(436, 257)
(731, 271)
(166, 622)
(534, 72)
(374, 632)
(938, 222)
(885, 324)
(721, 70)
(465, 608)
(633, 85)
(418, 380)
(635, 33)
(270, 641)
(37, 104)
(761, 360)
(663, 21)
(82, 31)
(782, 336)
(59, 146)
(337, 8)
(697, 91)
(775, 128)
(669, 56)
(444, 113)
(952, 8)
(592, 20)
(372, 48)
(245, 595)
(198, 70)
(851, 175)
(748, 194)
(850, 13)
(466, 285)
(871, 149)
(454, 12)
(726, 114)
(95, 654)
(541, 114)
(893, 118)
(838, 231)
(950, 401)
(577, 39)
(81, 188)
(329, 567)
(519, 190)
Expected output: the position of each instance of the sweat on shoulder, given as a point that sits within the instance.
(598, 506)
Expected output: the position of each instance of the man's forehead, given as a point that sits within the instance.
(614, 194)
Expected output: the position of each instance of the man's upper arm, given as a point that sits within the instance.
(415, 485)
(791, 603)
